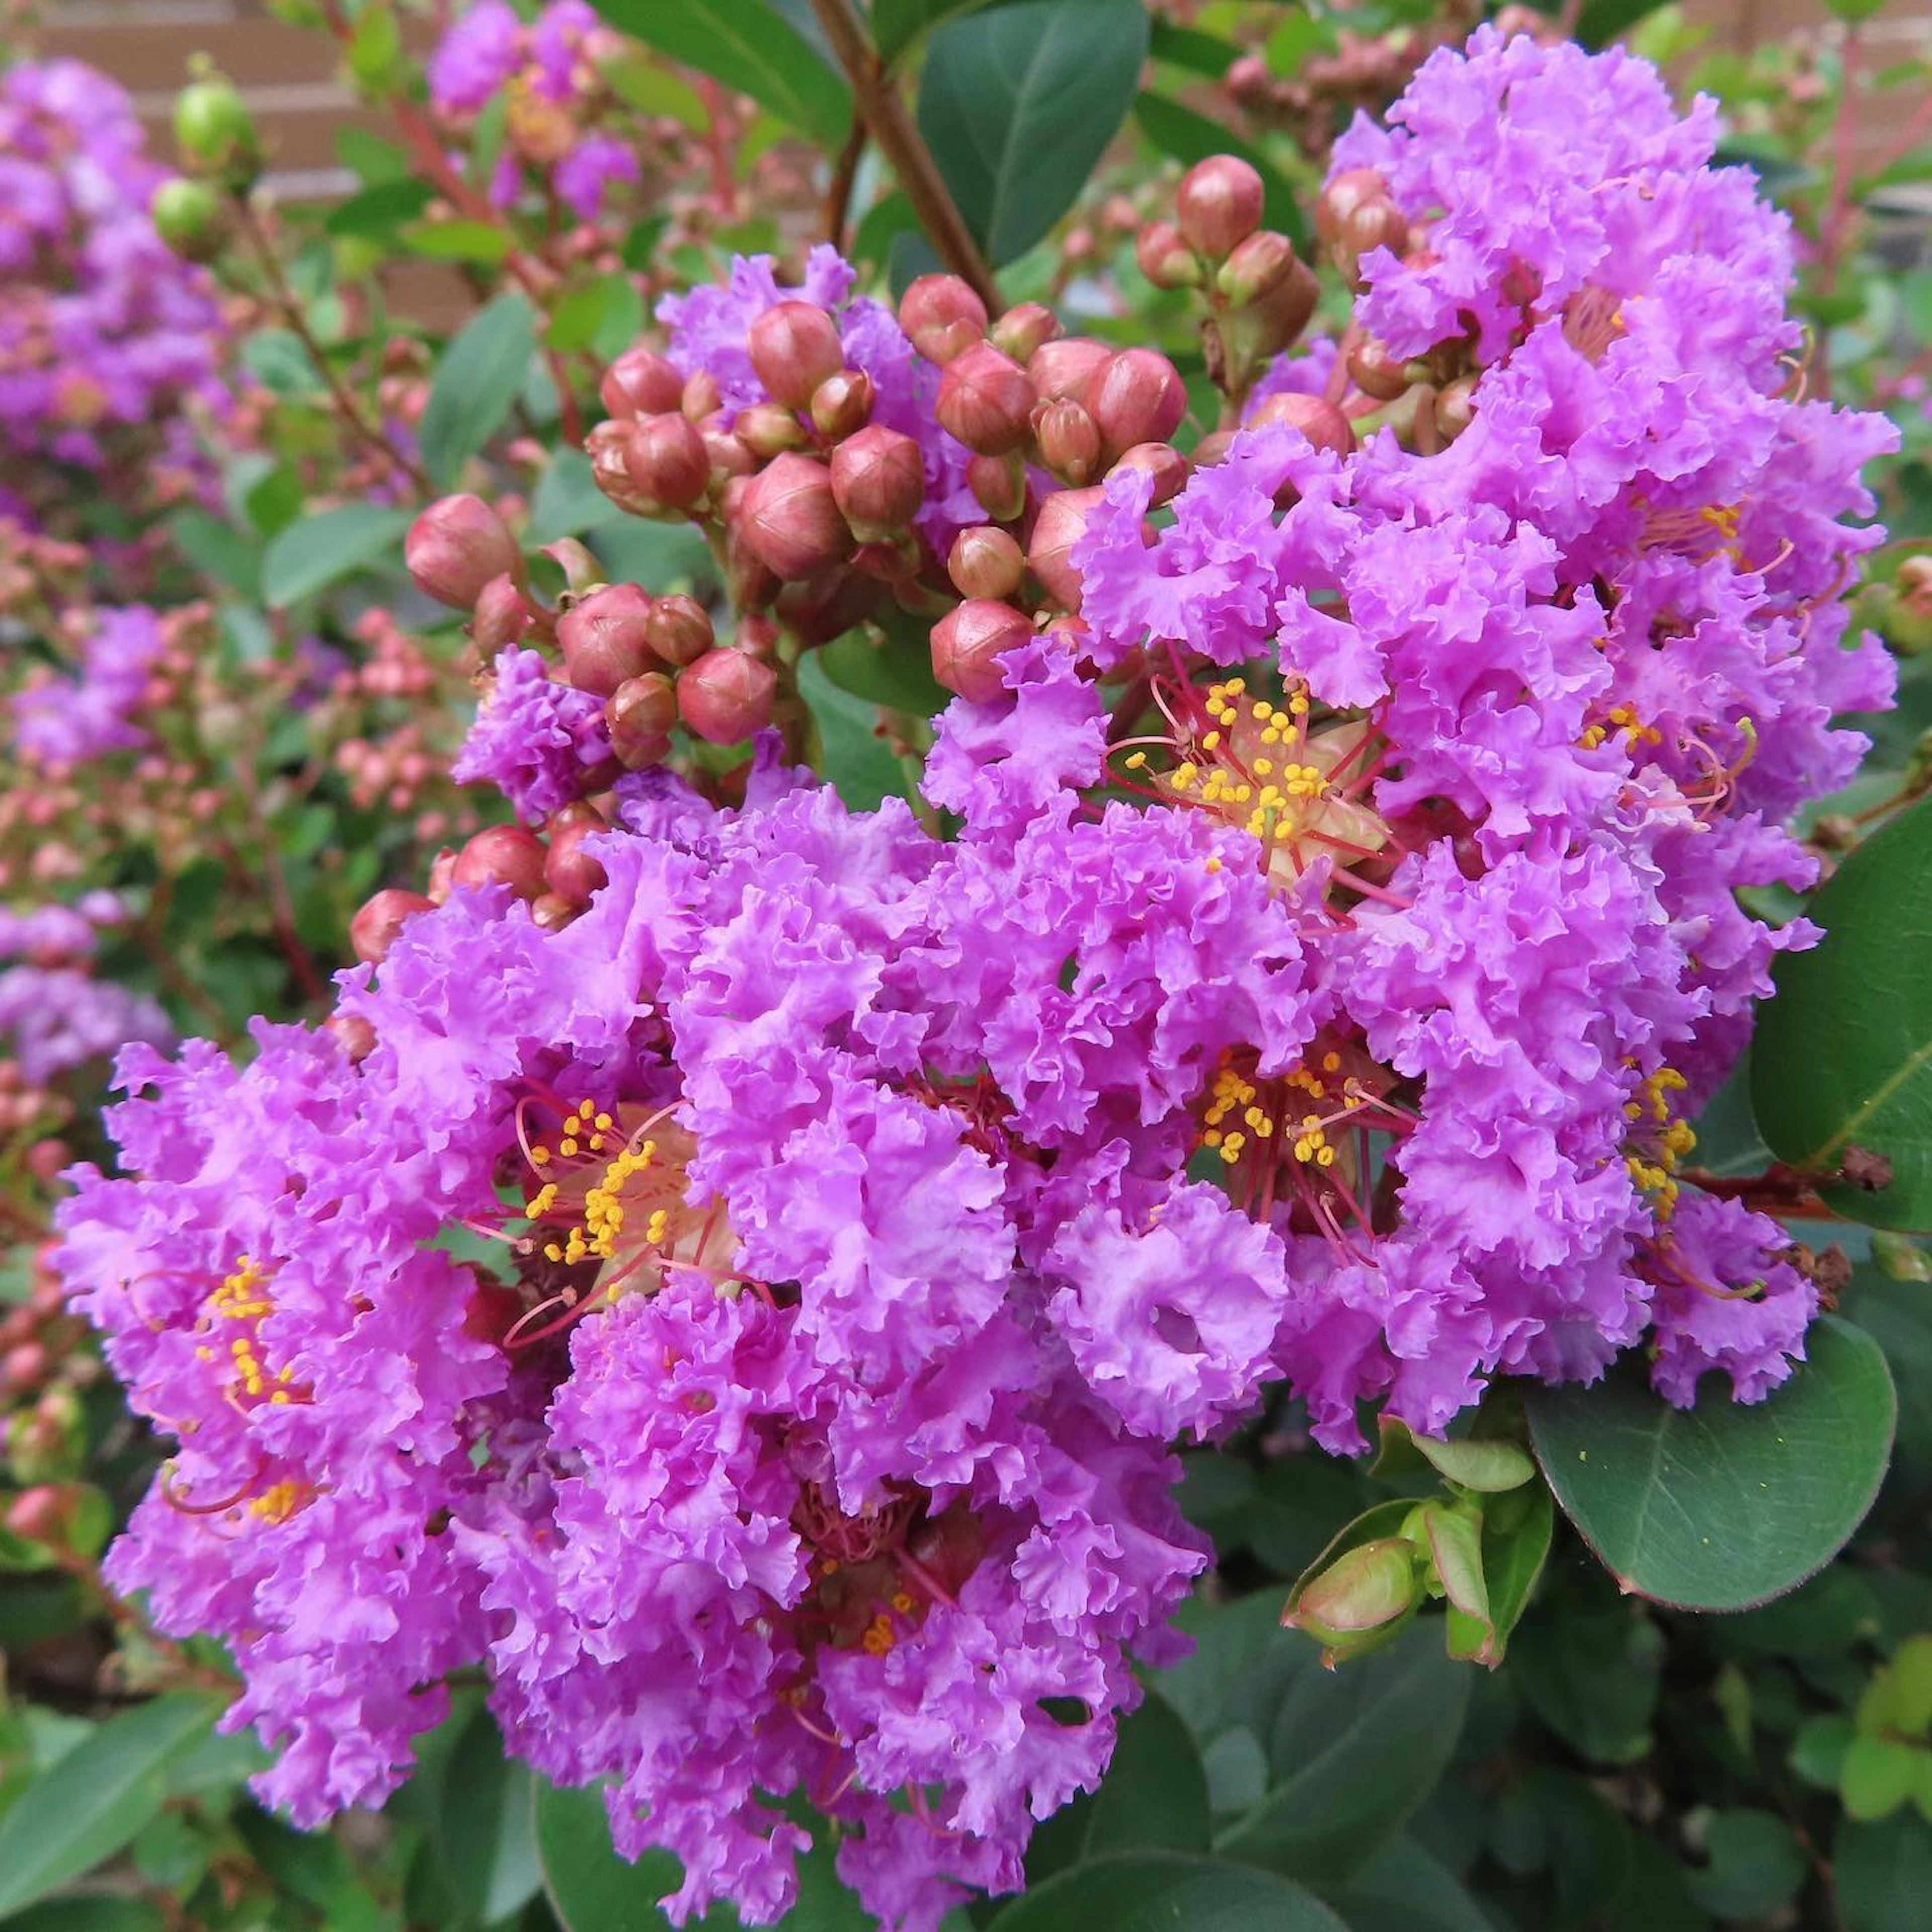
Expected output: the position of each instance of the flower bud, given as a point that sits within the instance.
(605, 638)
(794, 347)
(1321, 421)
(1024, 329)
(701, 396)
(39, 1514)
(189, 217)
(668, 460)
(374, 929)
(573, 874)
(1163, 463)
(213, 128)
(456, 547)
(1456, 407)
(726, 696)
(1361, 1598)
(790, 519)
(1136, 397)
(678, 629)
(1062, 368)
(968, 642)
(441, 876)
(1373, 225)
(1375, 372)
(1061, 524)
(841, 405)
(551, 912)
(942, 316)
(355, 1035)
(1340, 199)
(728, 456)
(502, 615)
(984, 562)
(1213, 449)
(998, 484)
(641, 382)
(639, 715)
(1069, 439)
(1219, 205)
(757, 638)
(878, 480)
(985, 400)
(1278, 315)
(769, 430)
(502, 855)
(1256, 267)
(1165, 257)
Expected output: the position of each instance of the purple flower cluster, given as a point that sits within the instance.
(64, 721)
(548, 69)
(103, 329)
(535, 739)
(55, 1015)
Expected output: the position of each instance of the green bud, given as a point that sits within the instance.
(189, 217)
(1362, 1599)
(214, 129)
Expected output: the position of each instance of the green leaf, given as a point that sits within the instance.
(1187, 136)
(1154, 1796)
(1165, 1891)
(318, 551)
(1842, 1057)
(379, 210)
(1602, 21)
(1878, 1776)
(896, 672)
(1188, 47)
(1592, 1676)
(751, 49)
(479, 377)
(898, 24)
(1817, 1752)
(1517, 1532)
(217, 550)
(1018, 106)
(89, 1915)
(1354, 1751)
(590, 1889)
(1404, 1888)
(97, 1797)
(484, 1831)
(1490, 1466)
(854, 757)
(482, 242)
(1882, 1875)
(1725, 1505)
(566, 502)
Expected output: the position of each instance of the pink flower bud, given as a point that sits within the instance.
(1069, 439)
(1279, 314)
(878, 480)
(605, 638)
(942, 316)
(442, 875)
(456, 547)
(639, 715)
(1321, 422)
(1061, 368)
(794, 347)
(1456, 408)
(985, 400)
(729, 457)
(1163, 462)
(998, 484)
(39, 1514)
(502, 615)
(374, 929)
(1341, 197)
(641, 382)
(572, 873)
(23, 1367)
(1376, 372)
(1256, 266)
(1219, 203)
(1025, 328)
(1165, 257)
(1136, 397)
(1372, 225)
(842, 404)
(790, 519)
(1061, 523)
(551, 912)
(1213, 449)
(726, 696)
(358, 1037)
(502, 855)
(667, 460)
(769, 430)
(701, 398)
(968, 642)
(985, 562)
(678, 629)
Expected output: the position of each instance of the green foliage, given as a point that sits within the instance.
(310, 555)
(477, 381)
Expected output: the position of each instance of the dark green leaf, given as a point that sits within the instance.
(218, 550)
(97, 1797)
(1592, 1676)
(1842, 1057)
(749, 47)
(1354, 1750)
(1404, 1888)
(1186, 136)
(590, 1889)
(854, 757)
(567, 501)
(484, 1828)
(1188, 47)
(1728, 1504)
(89, 1915)
(898, 24)
(380, 210)
(318, 550)
(896, 672)
(1603, 21)
(478, 378)
(1165, 1891)
(1018, 107)
(1882, 1875)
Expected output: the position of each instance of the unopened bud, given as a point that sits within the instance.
(1321, 421)
(1136, 397)
(374, 929)
(1256, 267)
(441, 876)
(605, 638)
(728, 456)
(189, 217)
(572, 873)
(1062, 368)
(1358, 1599)
(1456, 407)
(1340, 199)
(791, 519)
(968, 644)
(878, 480)
(1024, 329)
(701, 396)
(1373, 225)
(942, 316)
(213, 128)
(23, 1367)
(984, 562)
(985, 401)
(639, 716)
(1069, 439)
(1219, 204)
(1277, 315)
(1061, 524)
(502, 615)
(456, 547)
(1165, 257)
(502, 855)
(678, 629)
(38, 1514)
(1163, 462)
(668, 460)
(841, 405)
(769, 430)
(641, 382)
(355, 1036)
(794, 347)
(998, 484)
(726, 696)
(1375, 372)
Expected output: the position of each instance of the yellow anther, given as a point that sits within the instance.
(1213, 864)
(567, 1147)
(1135, 760)
(539, 1156)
